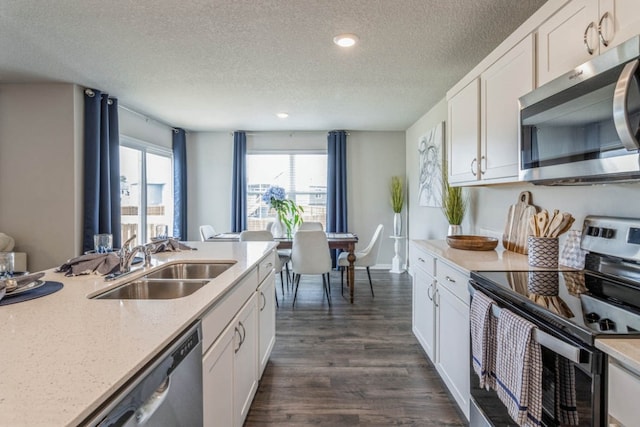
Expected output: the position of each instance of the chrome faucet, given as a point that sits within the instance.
(127, 258)
(127, 254)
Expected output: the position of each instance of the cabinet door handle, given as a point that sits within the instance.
(264, 301)
(436, 298)
(429, 292)
(244, 332)
(485, 165)
(237, 331)
(269, 266)
(473, 162)
(449, 279)
(604, 41)
(420, 259)
(586, 40)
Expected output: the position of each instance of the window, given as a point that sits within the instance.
(146, 186)
(303, 176)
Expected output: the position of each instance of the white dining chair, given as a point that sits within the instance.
(264, 236)
(310, 226)
(206, 232)
(310, 255)
(365, 258)
(284, 254)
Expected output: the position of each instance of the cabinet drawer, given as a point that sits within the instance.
(622, 384)
(266, 266)
(454, 280)
(423, 260)
(224, 310)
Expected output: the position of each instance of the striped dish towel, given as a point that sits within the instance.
(565, 389)
(483, 339)
(519, 369)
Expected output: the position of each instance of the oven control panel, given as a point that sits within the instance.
(619, 237)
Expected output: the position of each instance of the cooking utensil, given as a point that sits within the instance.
(555, 224)
(542, 218)
(517, 225)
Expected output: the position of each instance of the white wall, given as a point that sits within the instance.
(424, 222)
(373, 158)
(209, 168)
(41, 170)
(489, 204)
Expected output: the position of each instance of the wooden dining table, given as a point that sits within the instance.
(345, 241)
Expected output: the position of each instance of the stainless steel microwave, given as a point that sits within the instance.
(584, 126)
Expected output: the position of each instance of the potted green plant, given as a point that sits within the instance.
(397, 201)
(454, 205)
(288, 213)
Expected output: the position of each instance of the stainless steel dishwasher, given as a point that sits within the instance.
(166, 393)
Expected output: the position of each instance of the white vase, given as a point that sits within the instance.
(278, 229)
(397, 224)
(454, 229)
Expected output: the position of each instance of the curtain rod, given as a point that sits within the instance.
(147, 118)
(290, 133)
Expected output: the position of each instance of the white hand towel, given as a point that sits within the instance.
(519, 369)
(483, 339)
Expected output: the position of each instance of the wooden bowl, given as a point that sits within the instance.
(472, 243)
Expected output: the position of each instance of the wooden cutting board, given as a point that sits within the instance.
(516, 229)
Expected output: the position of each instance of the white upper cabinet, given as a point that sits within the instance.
(483, 119)
(582, 30)
(464, 134)
(501, 85)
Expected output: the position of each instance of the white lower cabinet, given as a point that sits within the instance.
(245, 364)
(217, 371)
(441, 320)
(453, 346)
(424, 314)
(267, 320)
(623, 383)
(230, 376)
(238, 334)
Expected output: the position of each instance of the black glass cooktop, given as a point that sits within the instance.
(581, 303)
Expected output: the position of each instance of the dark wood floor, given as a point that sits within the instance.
(350, 365)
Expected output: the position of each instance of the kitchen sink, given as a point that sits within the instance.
(191, 271)
(154, 289)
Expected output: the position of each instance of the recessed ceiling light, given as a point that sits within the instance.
(345, 40)
(282, 115)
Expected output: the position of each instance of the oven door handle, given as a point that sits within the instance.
(546, 340)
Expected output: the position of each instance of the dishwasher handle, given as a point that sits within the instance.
(148, 408)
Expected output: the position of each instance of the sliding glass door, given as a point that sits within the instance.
(146, 189)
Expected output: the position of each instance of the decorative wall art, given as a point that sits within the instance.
(430, 147)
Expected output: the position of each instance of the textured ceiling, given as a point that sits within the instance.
(232, 64)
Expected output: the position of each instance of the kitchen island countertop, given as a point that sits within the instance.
(64, 354)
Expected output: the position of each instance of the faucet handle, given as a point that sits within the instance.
(126, 246)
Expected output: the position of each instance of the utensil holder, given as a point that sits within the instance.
(543, 251)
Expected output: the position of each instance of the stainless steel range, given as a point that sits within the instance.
(570, 309)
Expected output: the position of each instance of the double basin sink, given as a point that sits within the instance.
(171, 281)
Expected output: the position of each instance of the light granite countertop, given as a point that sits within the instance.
(64, 354)
(626, 350)
(496, 260)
